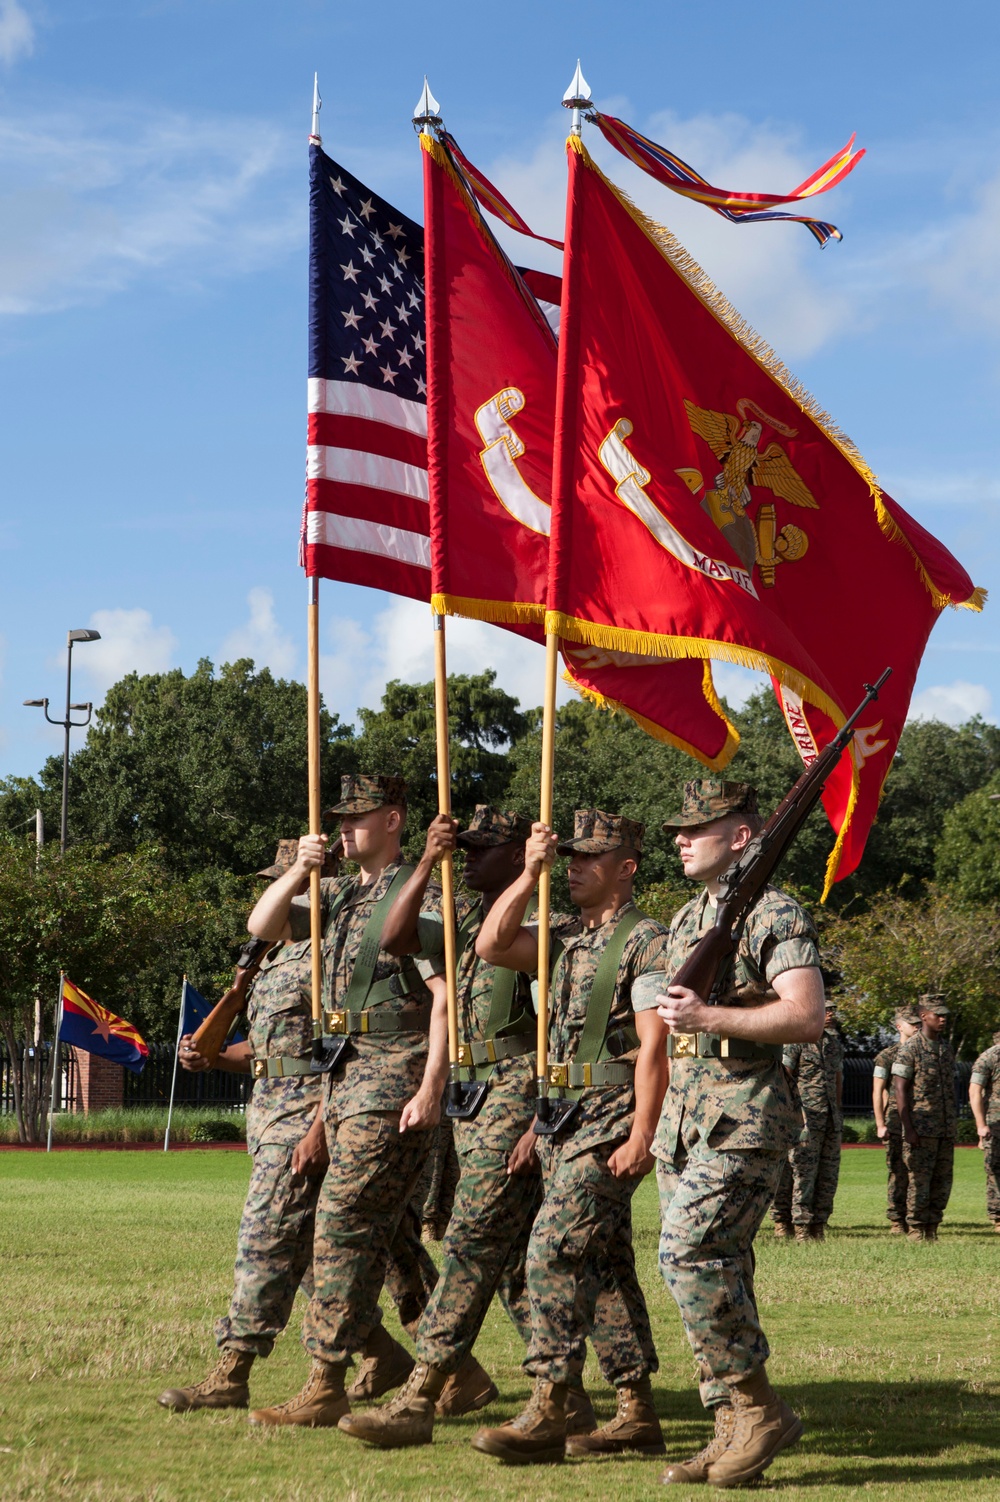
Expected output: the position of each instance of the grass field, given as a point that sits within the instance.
(114, 1266)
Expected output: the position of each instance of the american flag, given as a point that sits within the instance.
(366, 517)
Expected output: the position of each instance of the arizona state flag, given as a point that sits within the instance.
(704, 507)
(88, 1025)
(491, 362)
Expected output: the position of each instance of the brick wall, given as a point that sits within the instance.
(98, 1083)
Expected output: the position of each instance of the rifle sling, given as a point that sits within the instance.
(368, 953)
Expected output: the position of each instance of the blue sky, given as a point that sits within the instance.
(153, 275)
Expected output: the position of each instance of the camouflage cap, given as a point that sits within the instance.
(488, 826)
(595, 832)
(907, 1014)
(709, 798)
(933, 1001)
(362, 792)
(284, 860)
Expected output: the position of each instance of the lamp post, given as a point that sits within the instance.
(68, 723)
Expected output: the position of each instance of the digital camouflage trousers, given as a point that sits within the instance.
(991, 1160)
(581, 1273)
(808, 1183)
(898, 1181)
(275, 1250)
(364, 1200)
(930, 1164)
(712, 1206)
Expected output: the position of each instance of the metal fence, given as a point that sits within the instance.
(230, 1092)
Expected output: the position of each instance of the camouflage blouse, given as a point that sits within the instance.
(986, 1072)
(816, 1068)
(279, 1012)
(738, 1103)
(883, 1071)
(930, 1064)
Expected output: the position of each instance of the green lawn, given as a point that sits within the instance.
(115, 1264)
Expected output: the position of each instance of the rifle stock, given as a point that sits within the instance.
(211, 1034)
(753, 868)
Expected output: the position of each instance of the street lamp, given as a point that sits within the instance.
(68, 723)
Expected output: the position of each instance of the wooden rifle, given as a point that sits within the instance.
(213, 1032)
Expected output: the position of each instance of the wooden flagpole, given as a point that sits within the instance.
(173, 1077)
(55, 1061)
(545, 880)
(315, 818)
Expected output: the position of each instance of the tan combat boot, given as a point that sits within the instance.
(407, 1420)
(634, 1430)
(897, 1228)
(817, 1232)
(537, 1436)
(224, 1387)
(695, 1470)
(919, 1233)
(802, 1233)
(580, 1415)
(782, 1230)
(321, 1404)
(466, 1391)
(384, 1364)
(764, 1426)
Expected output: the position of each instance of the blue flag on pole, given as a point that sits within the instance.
(194, 1010)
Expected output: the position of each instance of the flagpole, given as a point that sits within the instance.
(576, 97)
(173, 1078)
(426, 117)
(55, 1060)
(315, 819)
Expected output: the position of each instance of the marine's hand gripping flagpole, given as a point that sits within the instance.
(577, 98)
(426, 119)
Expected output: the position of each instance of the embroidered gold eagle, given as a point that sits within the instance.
(735, 441)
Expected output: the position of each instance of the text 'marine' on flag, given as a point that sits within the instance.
(492, 360)
(88, 1025)
(704, 507)
(366, 519)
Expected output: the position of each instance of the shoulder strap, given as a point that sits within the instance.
(504, 988)
(602, 991)
(364, 965)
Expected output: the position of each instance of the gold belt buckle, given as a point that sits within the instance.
(259, 1068)
(464, 1054)
(559, 1075)
(336, 1022)
(685, 1046)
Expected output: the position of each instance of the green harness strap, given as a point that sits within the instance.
(502, 995)
(602, 994)
(364, 966)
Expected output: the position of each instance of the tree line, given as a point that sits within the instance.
(186, 782)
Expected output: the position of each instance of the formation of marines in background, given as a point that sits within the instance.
(345, 1161)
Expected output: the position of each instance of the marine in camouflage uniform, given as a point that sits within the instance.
(818, 1070)
(986, 1079)
(275, 1242)
(374, 1167)
(730, 1115)
(925, 1070)
(586, 1208)
(898, 1178)
(487, 1236)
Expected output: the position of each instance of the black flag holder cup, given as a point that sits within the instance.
(465, 1097)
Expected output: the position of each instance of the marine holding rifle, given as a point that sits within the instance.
(608, 1074)
(387, 1064)
(729, 1118)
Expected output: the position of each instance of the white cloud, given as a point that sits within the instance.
(954, 488)
(262, 638)
(736, 684)
(962, 274)
(17, 34)
(952, 702)
(130, 643)
(95, 198)
(399, 644)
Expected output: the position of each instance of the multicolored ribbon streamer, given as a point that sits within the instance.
(490, 198)
(739, 208)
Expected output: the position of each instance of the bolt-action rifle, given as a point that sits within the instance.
(213, 1032)
(706, 967)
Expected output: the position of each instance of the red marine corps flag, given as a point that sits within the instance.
(491, 372)
(703, 507)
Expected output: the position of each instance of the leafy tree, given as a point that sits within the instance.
(968, 853)
(211, 767)
(902, 947)
(483, 721)
(104, 920)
